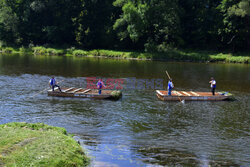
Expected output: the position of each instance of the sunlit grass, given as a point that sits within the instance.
(23, 144)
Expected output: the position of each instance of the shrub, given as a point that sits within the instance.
(80, 53)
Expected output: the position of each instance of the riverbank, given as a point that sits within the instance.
(171, 55)
(24, 144)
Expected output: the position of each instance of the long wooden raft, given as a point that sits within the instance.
(192, 96)
(83, 93)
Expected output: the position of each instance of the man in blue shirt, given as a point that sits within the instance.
(53, 84)
(170, 86)
(100, 84)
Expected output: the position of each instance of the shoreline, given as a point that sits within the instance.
(171, 55)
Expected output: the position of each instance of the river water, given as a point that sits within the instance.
(139, 129)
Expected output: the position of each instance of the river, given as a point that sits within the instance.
(139, 129)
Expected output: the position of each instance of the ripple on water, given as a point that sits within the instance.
(139, 129)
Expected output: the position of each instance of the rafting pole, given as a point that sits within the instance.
(39, 92)
(168, 74)
(182, 101)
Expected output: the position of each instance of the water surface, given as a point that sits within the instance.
(139, 129)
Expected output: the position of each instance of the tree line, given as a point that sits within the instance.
(145, 25)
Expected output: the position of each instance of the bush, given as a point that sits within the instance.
(47, 51)
(116, 94)
(80, 53)
(8, 50)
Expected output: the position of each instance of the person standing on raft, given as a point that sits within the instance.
(213, 85)
(100, 84)
(53, 84)
(170, 86)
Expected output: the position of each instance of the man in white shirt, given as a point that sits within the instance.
(213, 85)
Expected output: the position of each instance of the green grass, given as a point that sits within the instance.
(23, 144)
(169, 55)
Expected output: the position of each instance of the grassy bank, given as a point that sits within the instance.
(171, 55)
(23, 144)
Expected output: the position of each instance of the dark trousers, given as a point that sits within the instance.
(169, 91)
(53, 86)
(100, 91)
(213, 90)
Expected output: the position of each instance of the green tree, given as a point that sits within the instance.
(200, 21)
(36, 21)
(9, 19)
(93, 25)
(150, 25)
(240, 9)
(236, 24)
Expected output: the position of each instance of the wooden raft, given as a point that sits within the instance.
(81, 93)
(191, 96)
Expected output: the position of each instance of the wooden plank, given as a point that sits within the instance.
(76, 90)
(159, 92)
(86, 91)
(196, 94)
(68, 89)
(176, 92)
(51, 90)
(186, 93)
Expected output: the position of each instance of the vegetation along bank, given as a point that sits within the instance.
(171, 54)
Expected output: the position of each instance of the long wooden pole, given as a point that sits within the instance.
(39, 92)
(168, 74)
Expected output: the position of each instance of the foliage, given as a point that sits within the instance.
(170, 54)
(47, 51)
(79, 53)
(240, 9)
(154, 26)
(235, 28)
(116, 94)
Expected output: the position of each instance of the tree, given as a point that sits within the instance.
(200, 21)
(152, 25)
(236, 24)
(36, 21)
(93, 25)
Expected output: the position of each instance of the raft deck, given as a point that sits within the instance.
(191, 96)
(83, 93)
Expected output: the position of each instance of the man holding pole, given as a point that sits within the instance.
(170, 86)
(53, 84)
